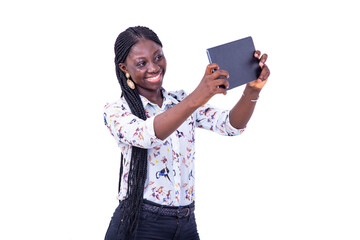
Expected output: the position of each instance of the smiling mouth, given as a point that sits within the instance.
(154, 79)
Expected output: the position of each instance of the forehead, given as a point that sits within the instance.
(144, 48)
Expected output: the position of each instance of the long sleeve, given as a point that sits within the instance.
(127, 128)
(216, 120)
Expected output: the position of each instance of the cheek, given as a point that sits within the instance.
(137, 76)
(163, 64)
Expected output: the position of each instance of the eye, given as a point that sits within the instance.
(141, 64)
(159, 57)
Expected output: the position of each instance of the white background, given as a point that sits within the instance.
(294, 173)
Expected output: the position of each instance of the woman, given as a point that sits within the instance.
(155, 131)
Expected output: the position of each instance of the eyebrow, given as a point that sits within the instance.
(154, 53)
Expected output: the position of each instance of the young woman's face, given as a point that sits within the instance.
(146, 65)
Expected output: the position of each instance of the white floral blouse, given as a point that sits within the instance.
(171, 173)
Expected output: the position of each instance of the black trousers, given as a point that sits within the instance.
(153, 226)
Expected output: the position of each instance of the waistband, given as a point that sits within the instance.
(179, 212)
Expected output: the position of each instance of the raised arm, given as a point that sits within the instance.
(244, 108)
(167, 122)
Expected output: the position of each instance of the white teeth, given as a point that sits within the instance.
(154, 78)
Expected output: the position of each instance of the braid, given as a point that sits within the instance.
(138, 165)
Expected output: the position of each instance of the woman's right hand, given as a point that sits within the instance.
(209, 85)
(168, 121)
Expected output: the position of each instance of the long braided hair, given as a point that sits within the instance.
(138, 164)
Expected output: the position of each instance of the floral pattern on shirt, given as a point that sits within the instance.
(171, 173)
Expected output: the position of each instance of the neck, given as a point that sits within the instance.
(155, 97)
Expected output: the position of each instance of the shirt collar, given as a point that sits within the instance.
(168, 99)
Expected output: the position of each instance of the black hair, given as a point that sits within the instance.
(138, 165)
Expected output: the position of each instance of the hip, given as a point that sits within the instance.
(158, 222)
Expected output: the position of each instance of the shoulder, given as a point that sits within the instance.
(119, 105)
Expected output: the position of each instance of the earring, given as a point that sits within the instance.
(129, 82)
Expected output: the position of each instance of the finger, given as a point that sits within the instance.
(220, 72)
(265, 73)
(221, 91)
(263, 60)
(257, 54)
(210, 68)
(222, 82)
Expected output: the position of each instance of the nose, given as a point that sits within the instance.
(153, 67)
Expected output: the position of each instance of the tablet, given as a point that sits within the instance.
(238, 59)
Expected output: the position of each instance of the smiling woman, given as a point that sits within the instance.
(155, 131)
(146, 64)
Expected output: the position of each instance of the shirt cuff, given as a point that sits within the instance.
(232, 130)
(149, 126)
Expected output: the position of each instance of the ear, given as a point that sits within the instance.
(123, 68)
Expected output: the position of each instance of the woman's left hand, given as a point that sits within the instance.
(265, 71)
